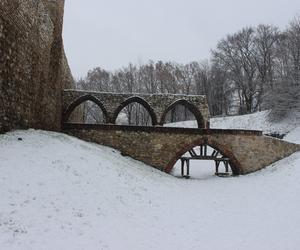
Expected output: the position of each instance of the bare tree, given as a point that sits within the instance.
(266, 41)
(98, 80)
(236, 56)
(285, 97)
(250, 70)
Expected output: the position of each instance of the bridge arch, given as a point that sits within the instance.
(191, 107)
(234, 164)
(81, 100)
(139, 100)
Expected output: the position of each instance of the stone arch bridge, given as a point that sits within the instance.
(161, 147)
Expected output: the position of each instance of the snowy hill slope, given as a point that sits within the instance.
(256, 121)
(58, 192)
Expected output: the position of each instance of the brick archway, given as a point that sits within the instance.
(80, 100)
(139, 100)
(192, 108)
(234, 164)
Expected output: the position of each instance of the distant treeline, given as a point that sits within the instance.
(253, 69)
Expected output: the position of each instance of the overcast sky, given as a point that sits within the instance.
(112, 33)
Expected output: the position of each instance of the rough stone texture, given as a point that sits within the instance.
(33, 66)
(161, 147)
(157, 104)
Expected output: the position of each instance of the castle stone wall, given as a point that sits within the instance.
(33, 66)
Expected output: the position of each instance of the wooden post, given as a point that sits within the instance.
(217, 166)
(226, 166)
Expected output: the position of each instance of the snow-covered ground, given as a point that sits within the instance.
(58, 192)
(256, 121)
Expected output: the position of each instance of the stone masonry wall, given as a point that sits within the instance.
(162, 147)
(33, 66)
(112, 103)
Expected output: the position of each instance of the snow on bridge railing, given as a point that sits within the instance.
(159, 129)
(127, 93)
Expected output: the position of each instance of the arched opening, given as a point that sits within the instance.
(135, 111)
(202, 160)
(182, 114)
(87, 110)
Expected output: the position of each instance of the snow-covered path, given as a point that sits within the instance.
(58, 192)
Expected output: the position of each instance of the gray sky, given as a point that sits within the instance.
(112, 33)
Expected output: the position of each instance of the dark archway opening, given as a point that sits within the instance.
(213, 146)
(136, 112)
(86, 109)
(182, 114)
(202, 162)
(88, 113)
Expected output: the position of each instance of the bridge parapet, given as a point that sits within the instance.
(157, 105)
(148, 129)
